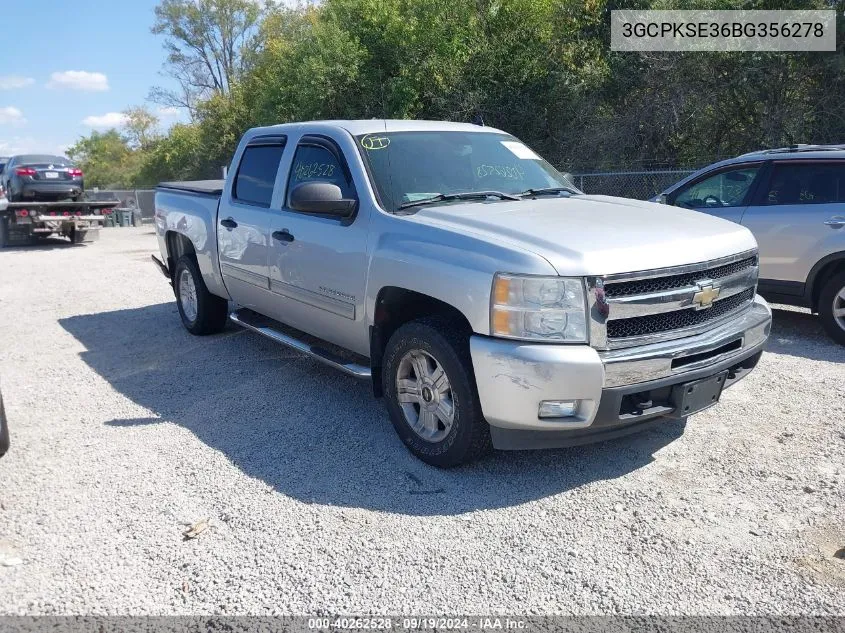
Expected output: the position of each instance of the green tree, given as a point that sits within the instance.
(207, 44)
(177, 156)
(541, 69)
(106, 159)
(141, 127)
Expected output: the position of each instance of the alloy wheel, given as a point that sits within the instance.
(188, 295)
(425, 395)
(839, 308)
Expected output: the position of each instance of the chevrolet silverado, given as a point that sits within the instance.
(489, 301)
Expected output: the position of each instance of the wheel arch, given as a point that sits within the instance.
(824, 269)
(178, 244)
(396, 306)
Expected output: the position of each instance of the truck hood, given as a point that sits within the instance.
(596, 235)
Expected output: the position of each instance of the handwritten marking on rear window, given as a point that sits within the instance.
(371, 141)
(304, 171)
(503, 171)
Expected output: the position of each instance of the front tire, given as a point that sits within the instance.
(431, 395)
(832, 307)
(202, 313)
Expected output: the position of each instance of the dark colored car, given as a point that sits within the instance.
(41, 177)
(4, 429)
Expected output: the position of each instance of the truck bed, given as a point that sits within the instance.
(206, 187)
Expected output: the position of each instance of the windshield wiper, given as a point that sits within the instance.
(463, 195)
(542, 191)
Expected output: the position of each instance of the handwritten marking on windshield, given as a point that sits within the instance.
(505, 171)
(371, 142)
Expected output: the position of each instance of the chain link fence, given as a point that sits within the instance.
(140, 199)
(640, 185)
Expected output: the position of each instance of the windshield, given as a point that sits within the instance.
(410, 166)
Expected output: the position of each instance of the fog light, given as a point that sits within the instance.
(558, 408)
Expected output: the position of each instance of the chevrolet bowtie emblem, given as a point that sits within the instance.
(705, 296)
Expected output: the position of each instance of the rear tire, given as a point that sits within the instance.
(437, 414)
(202, 313)
(832, 307)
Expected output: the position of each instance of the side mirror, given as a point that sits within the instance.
(662, 199)
(321, 197)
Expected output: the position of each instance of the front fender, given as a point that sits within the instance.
(455, 269)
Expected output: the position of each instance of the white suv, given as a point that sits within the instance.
(793, 200)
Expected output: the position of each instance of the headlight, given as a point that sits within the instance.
(538, 308)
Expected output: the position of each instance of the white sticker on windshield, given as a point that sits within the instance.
(520, 151)
(413, 197)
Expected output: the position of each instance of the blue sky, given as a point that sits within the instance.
(74, 68)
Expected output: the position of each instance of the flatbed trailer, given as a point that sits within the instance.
(27, 222)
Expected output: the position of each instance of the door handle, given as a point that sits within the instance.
(283, 235)
(836, 222)
(229, 223)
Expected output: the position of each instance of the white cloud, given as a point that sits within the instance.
(9, 146)
(15, 145)
(79, 80)
(11, 116)
(167, 112)
(12, 82)
(105, 121)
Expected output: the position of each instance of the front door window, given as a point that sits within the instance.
(728, 188)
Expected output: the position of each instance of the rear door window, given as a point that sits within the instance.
(256, 175)
(805, 183)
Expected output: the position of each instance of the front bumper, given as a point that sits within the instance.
(514, 377)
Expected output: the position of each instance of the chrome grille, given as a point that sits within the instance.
(654, 323)
(644, 286)
(650, 306)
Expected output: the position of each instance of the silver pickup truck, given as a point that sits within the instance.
(489, 301)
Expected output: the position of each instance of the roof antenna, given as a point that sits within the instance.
(478, 119)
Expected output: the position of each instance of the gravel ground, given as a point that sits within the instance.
(125, 429)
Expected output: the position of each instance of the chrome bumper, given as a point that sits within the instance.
(514, 377)
(660, 360)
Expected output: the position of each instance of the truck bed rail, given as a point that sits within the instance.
(205, 187)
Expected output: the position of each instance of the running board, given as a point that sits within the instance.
(255, 322)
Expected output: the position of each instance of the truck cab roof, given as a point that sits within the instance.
(373, 126)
